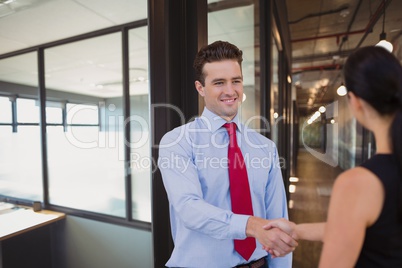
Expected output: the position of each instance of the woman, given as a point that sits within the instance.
(364, 224)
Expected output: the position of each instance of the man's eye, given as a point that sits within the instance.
(237, 81)
(218, 83)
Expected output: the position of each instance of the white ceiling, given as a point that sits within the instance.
(26, 23)
(90, 67)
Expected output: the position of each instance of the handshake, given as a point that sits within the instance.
(279, 236)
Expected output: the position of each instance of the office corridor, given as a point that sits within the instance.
(309, 203)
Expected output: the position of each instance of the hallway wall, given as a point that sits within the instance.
(309, 203)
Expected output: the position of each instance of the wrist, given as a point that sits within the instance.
(250, 229)
(254, 224)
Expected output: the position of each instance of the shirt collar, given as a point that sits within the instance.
(216, 122)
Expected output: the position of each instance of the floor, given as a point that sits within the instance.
(309, 203)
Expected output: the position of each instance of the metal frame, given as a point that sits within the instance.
(177, 30)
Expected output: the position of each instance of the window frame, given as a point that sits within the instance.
(40, 49)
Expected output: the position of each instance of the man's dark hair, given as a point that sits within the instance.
(217, 51)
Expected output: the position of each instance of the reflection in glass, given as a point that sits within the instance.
(274, 112)
(86, 158)
(140, 156)
(20, 151)
(349, 138)
(240, 26)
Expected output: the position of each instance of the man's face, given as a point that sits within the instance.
(223, 90)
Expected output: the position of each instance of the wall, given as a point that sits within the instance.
(83, 243)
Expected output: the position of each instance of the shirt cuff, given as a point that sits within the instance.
(238, 226)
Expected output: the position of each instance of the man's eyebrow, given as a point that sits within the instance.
(223, 79)
(217, 80)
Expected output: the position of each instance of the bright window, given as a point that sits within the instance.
(20, 152)
(5, 110)
(86, 161)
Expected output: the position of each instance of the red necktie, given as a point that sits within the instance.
(239, 190)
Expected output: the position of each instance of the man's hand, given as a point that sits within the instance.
(283, 224)
(273, 239)
(286, 226)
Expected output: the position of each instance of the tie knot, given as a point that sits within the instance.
(230, 127)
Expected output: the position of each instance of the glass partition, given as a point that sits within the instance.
(240, 26)
(20, 142)
(84, 111)
(5, 111)
(86, 150)
(274, 112)
(140, 147)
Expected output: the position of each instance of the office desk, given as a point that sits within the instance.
(25, 237)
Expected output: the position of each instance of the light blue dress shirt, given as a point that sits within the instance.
(193, 162)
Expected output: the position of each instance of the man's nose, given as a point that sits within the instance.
(229, 89)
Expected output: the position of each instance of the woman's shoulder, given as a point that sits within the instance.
(355, 177)
(362, 192)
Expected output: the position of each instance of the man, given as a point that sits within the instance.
(200, 172)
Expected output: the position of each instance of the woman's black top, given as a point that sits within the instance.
(382, 245)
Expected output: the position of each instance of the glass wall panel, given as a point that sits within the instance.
(141, 160)
(27, 111)
(5, 110)
(274, 112)
(86, 158)
(350, 136)
(240, 26)
(5, 129)
(54, 115)
(82, 114)
(20, 151)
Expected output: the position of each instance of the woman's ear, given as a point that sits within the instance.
(354, 101)
(200, 88)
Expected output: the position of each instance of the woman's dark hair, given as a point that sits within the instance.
(375, 75)
(217, 51)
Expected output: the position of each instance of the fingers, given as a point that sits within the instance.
(275, 254)
(279, 242)
(283, 224)
(275, 223)
(274, 235)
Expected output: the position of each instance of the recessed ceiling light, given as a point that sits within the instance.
(341, 91)
(293, 179)
(344, 13)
